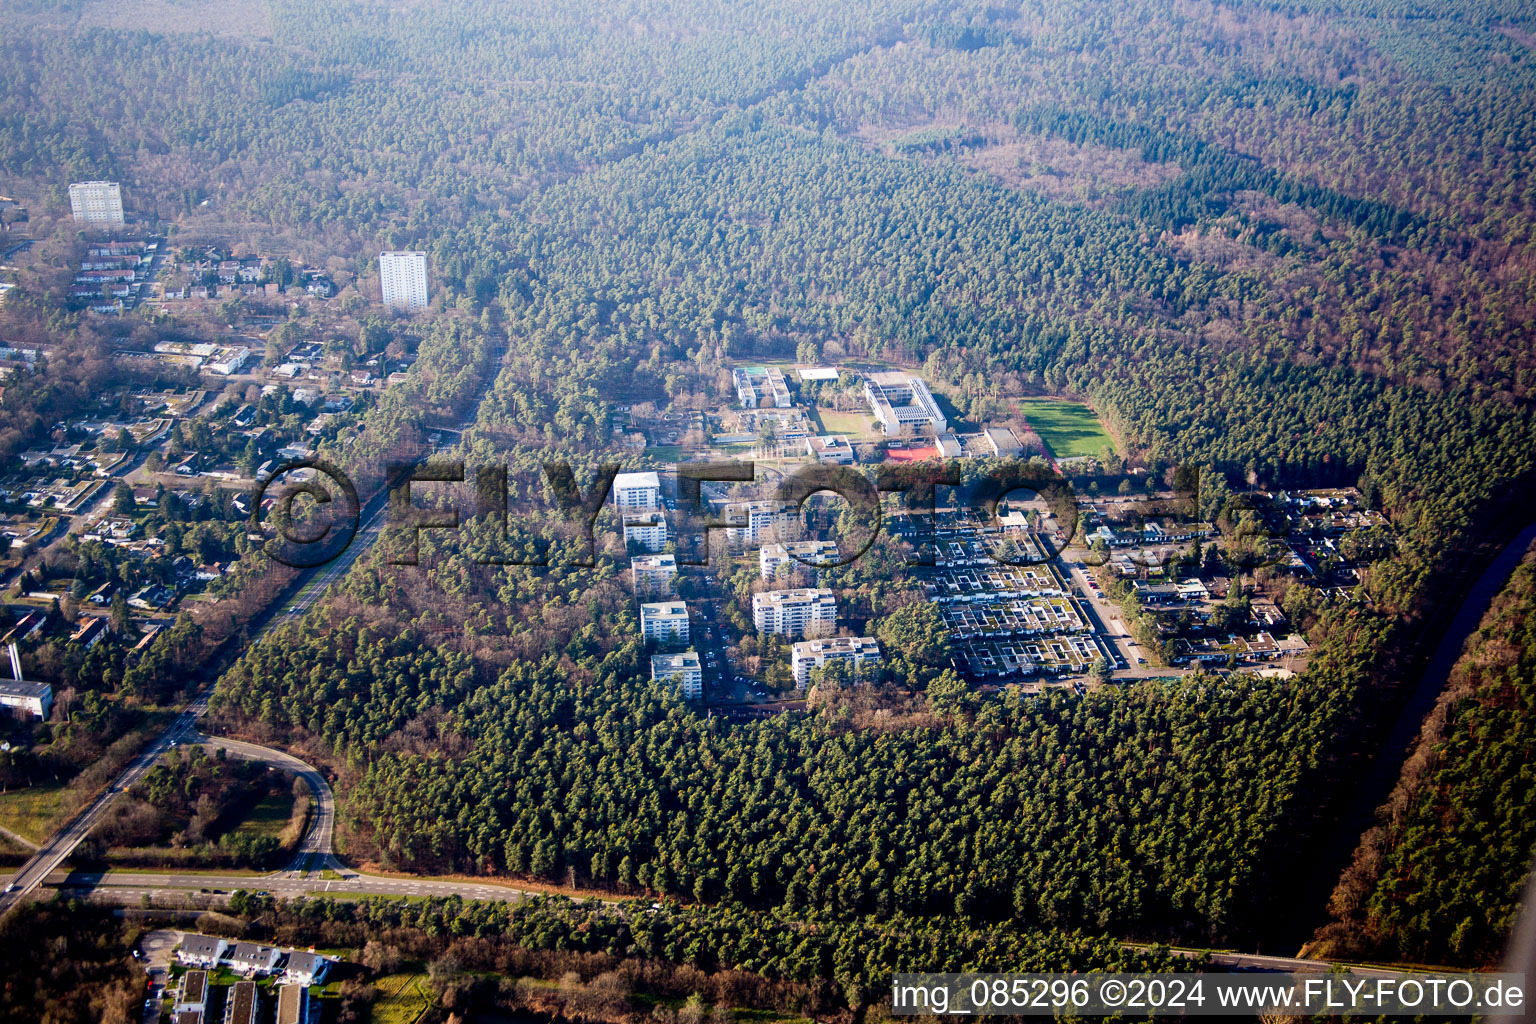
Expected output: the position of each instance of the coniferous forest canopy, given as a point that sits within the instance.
(1291, 242)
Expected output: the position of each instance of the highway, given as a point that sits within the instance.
(52, 853)
(129, 887)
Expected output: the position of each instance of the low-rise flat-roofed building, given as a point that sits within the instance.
(665, 622)
(834, 449)
(813, 654)
(795, 613)
(761, 387)
(292, 1004)
(775, 561)
(655, 575)
(23, 699)
(681, 670)
(646, 530)
(898, 400)
(193, 994)
(188, 1017)
(1003, 442)
(241, 1003)
(637, 492)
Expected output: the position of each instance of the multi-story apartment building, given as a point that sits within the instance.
(403, 279)
(636, 492)
(646, 530)
(655, 575)
(795, 613)
(814, 654)
(665, 622)
(97, 204)
(782, 561)
(760, 522)
(681, 670)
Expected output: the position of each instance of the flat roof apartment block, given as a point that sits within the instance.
(813, 654)
(97, 204)
(779, 560)
(654, 575)
(795, 613)
(241, 1005)
(638, 492)
(292, 1004)
(759, 522)
(681, 670)
(403, 279)
(665, 622)
(646, 530)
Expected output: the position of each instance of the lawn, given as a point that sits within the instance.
(854, 423)
(270, 816)
(34, 812)
(400, 999)
(1069, 429)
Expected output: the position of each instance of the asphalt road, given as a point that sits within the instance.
(52, 854)
(314, 853)
(128, 888)
(61, 844)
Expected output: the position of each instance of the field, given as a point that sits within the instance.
(1070, 429)
(34, 812)
(854, 423)
(270, 816)
(400, 999)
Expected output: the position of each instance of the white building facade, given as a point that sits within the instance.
(646, 530)
(777, 561)
(637, 492)
(759, 522)
(665, 622)
(403, 279)
(795, 613)
(655, 575)
(97, 204)
(898, 401)
(680, 670)
(813, 654)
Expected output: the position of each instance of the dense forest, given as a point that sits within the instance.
(1441, 878)
(69, 963)
(804, 965)
(1289, 241)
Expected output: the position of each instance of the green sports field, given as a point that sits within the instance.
(1070, 429)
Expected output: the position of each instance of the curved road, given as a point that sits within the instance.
(52, 854)
(314, 854)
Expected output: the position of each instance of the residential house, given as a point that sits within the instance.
(201, 950)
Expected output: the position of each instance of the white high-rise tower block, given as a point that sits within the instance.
(97, 204)
(403, 279)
